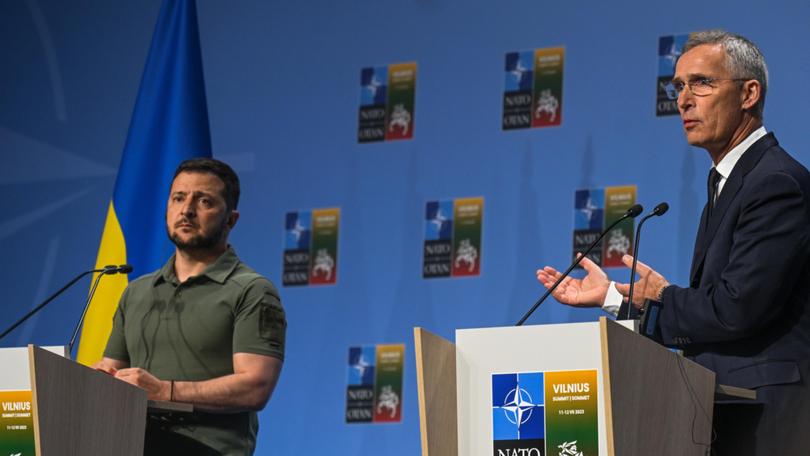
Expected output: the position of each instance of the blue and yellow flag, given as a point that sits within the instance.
(169, 124)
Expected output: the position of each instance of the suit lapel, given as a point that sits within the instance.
(697, 255)
(730, 189)
(708, 228)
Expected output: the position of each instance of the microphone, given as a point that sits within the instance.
(633, 212)
(113, 269)
(658, 211)
(61, 290)
(107, 270)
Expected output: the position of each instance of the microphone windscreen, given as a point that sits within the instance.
(661, 209)
(124, 269)
(634, 210)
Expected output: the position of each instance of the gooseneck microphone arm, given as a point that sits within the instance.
(123, 269)
(47, 301)
(659, 210)
(105, 270)
(634, 211)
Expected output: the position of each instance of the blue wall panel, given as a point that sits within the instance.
(283, 91)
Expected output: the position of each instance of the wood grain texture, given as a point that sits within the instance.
(661, 403)
(728, 392)
(436, 385)
(79, 411)
(607, 385)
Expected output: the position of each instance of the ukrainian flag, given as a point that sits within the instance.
(169, 124)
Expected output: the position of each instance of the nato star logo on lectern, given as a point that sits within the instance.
(518, 411)
(518, 406)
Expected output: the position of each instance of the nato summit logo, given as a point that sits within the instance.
(374, 389)
(597, 208)
(452, 245)
(552, 413)
(533, 88)
(387, 100)
(518, 414)
(310, 247)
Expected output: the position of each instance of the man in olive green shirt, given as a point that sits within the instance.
(205, 329)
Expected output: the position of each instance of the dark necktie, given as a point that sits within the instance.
(714, 179)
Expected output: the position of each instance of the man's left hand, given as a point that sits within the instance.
(157, 390)
(649, 285)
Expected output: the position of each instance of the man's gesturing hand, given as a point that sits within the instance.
(649, 285)
(587, 292)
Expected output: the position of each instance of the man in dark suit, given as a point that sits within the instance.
(746, 311)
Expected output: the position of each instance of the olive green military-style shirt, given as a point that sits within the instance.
(189, 332)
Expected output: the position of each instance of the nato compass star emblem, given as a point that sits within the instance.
(439, 219)
(361, 366)
(518, 410)
(373, 85)
(297, 230)
(518, 406)
(672, 54)
(589, 209)
(518, 71)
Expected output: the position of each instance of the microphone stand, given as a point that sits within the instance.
(47, 301)
(632, 212)
(657, 211)
(87, 307)
(633, 268)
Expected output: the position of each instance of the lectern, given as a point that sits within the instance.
(67, 408)
(578, 389)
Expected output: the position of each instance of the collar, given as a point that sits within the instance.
(218, 271)
(733, 156)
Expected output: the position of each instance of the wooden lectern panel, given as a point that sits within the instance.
(79, 411)
(436, 384)
(660, 403)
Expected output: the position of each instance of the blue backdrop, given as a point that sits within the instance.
(282, 80)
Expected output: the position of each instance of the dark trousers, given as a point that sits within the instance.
(160, 441)
(778, 425)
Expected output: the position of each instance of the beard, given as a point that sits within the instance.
(200, 242)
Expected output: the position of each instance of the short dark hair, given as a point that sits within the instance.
(220, 169)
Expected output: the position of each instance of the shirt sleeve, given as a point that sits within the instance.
(613, 300)
(117, 344)
(260, 324)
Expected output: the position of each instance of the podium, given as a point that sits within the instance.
(577, 389)
(73, 410)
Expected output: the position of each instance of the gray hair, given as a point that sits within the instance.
(743, 58)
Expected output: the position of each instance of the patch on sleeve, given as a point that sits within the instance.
(272, 324)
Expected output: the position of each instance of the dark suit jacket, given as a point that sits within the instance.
(746, 312)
